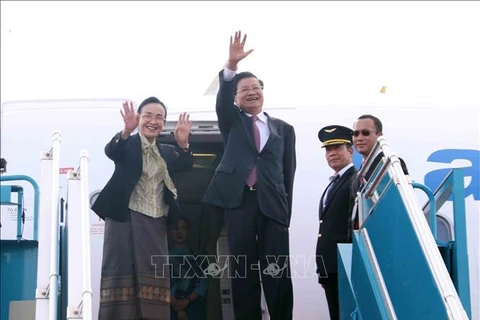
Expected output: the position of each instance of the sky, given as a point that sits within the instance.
(307, 53)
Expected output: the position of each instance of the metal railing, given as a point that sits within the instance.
(78, 227)
(48, 234)
(454, 307)
(53, 278)
(453, 185)
(368, 189)
(387, 307)
(84, 197)
(432, 218)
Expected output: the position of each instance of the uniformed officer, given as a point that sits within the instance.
(335, 208)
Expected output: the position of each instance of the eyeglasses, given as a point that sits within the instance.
(149, 117)
(255, 89)
(364, 132)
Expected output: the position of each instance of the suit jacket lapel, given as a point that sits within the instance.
(273, 127)
(247, 123)
(337, 185)
(137, 148)
(375, 162)
(322, 210)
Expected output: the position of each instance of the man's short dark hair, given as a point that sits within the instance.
(376, 122)
(175, 221)
(246, 75)
(151, 100)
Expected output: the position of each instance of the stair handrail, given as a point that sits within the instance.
(378, 277)
(368, 163)
(432, 217)
(442, 193)
(357, 207)
(53, 278)
(440, 274)
(376, 181)
(36, 197)
(86, 265)
(453, 185)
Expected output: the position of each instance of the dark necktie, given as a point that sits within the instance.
(330, 188)
(252, 177)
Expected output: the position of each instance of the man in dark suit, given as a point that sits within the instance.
(335, 209)
(254, 183)
(366, 130)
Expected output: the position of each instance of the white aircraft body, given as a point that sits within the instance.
(431, 139)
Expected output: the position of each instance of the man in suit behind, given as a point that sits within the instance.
(366, 130)
(254, 183)
(334, 211)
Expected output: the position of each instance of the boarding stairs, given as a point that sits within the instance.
(396, 267)
(48, 277)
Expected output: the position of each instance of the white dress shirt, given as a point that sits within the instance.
(228, 74)
(262, 124)
(339, 174)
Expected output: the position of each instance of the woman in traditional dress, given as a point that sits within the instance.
(135, 282)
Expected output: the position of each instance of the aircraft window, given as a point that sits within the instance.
(444, 229)
(93, 197)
